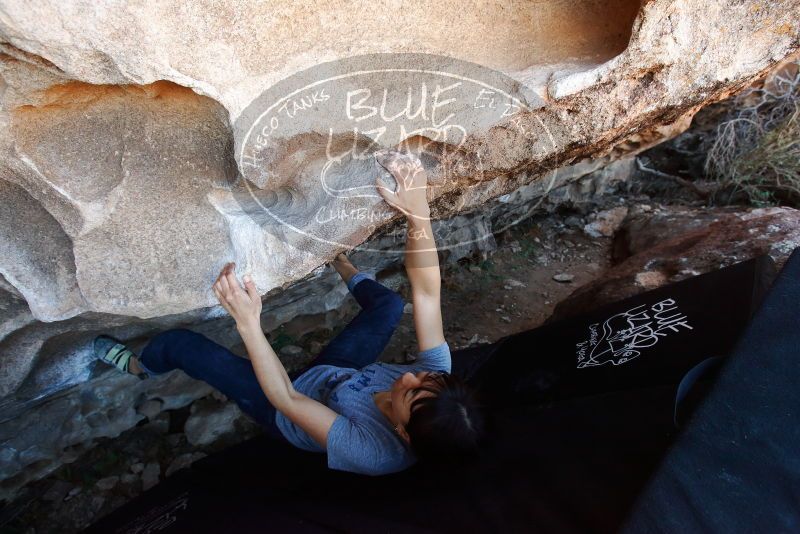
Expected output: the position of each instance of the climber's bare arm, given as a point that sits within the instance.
(422, 266)
(422, 259)
(244, 305)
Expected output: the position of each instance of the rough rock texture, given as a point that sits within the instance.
(665, 245)
(232, 51)
(207, 423)
(119, 124)
(126, 170)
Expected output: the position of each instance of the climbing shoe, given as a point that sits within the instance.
(113, 352)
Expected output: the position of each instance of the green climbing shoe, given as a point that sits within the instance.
(114, 352)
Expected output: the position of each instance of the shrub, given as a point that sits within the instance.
(755, 151)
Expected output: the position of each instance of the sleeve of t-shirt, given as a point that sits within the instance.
(435, 359)
(351, 447)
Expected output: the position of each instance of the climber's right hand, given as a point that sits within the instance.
(244, 304)
(411, 195)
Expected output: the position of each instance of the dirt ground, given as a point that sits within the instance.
(512, 289)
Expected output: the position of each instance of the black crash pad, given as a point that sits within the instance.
(736, 465)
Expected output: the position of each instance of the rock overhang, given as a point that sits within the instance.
(96, 100)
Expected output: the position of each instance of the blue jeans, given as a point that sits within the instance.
(358, 345)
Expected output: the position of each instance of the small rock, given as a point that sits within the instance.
(73, 492)
(107, 483)
(651, 279)
(137, 467)
(128, 478)
(515, 247)
(564, 278)
(57, 491)
(150, 408)
(70, 455)
(96, 503)
(510, 284)
(150, 475)
(474, 269)
(606, 223)
(218, 395)
(477, 340)
(184, 460)
(173, 440)
(408, 308)
(291, 350)
(505, 319)
(315, 347)
(159, 425)
(117, 501)
(574, 221)
(208, 423)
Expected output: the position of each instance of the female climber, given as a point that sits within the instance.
(369, 417)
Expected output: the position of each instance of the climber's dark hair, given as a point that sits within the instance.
(448, 426)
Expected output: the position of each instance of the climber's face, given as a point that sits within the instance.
(407, 389)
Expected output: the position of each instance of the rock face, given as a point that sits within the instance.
(123, 129)
(135, 169)
(132, 167)
(232, 51)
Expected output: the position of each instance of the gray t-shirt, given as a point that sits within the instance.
(361, 439)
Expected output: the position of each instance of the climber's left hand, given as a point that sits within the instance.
(244, 304)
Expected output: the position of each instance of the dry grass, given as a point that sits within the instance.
(755, 152)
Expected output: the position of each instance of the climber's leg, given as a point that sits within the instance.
(365, 337)
(203, 359)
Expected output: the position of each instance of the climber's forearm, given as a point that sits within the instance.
(311, 415)
(268, 368)
(422, 264)
(422, 259)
